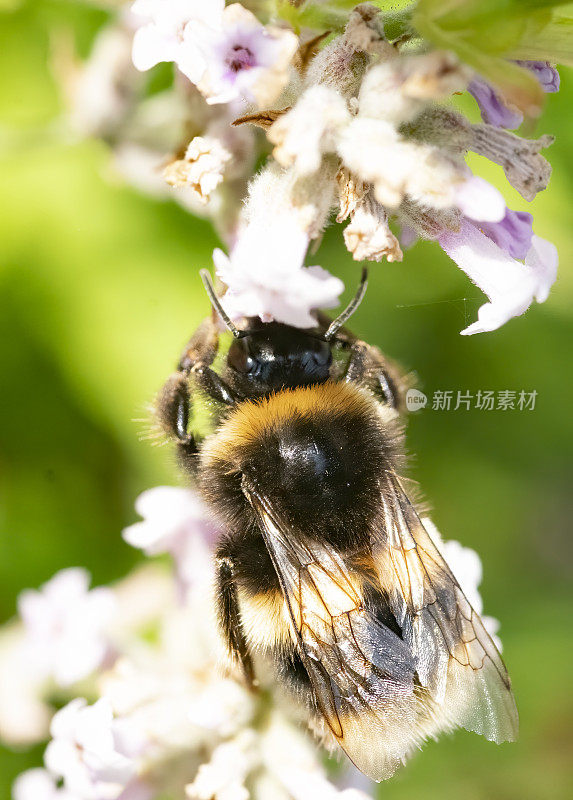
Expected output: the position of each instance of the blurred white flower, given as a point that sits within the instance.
(244, 59)
(92, 752)
(290, 758)
(177, 522)
(178, 694)
(223, 777)
(165, 36)
(39, 784)
(101, 90)
(24, 716)
(66, 625)
(226, 52)
(264, 274)
(510, 285)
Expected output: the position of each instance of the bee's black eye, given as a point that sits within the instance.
(238, 357)
(323, 356)
(242, 360)
(252, 366)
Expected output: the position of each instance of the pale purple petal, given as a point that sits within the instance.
(479, 200)
(547, 75)
(543, 260)
(510, 285)
(245, 60)
(408, 236)
(513, 233)
(137, 789)
(493, 110)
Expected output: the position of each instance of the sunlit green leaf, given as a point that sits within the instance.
(550, 42)
(517, 85)
(488, 33)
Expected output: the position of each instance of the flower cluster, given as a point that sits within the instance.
(155, 707)
(352, 112)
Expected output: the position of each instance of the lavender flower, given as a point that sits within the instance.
(478, 199)
(265, 272)
(513, 233)
(510, 285)
(495, 111)
(226, 52)
(492, 108)
(245, 60)
(546, 74)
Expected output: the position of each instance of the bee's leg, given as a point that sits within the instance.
(173, 403)
(202, 346)
(368, 367)
(197, 357)
(172, 408)
(213, 385)
(230, 616)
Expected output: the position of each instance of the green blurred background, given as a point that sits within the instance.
(99, 288)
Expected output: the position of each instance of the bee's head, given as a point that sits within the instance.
(267, 356)
(272, 356)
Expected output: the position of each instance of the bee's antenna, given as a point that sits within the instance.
(216, 303)
(337, 324)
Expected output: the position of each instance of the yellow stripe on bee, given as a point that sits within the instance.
(252, 418)
(265, 620)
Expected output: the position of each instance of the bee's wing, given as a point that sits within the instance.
(456, 659)
(362, 673)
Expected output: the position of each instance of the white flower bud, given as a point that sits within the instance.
(202, 167)
(397, 168)
(368, 236)
(307, 131)
(351, 190)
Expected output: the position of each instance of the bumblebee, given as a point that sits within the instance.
(325, 572)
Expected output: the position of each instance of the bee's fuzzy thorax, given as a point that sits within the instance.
(252, 419)
(317, 451)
